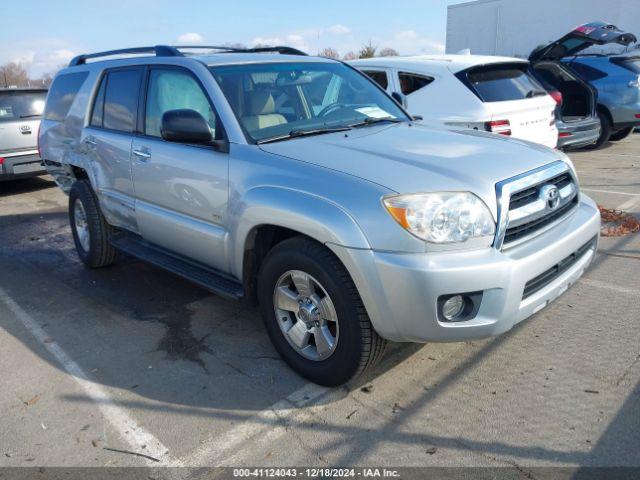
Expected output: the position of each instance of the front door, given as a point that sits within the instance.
(181, 190)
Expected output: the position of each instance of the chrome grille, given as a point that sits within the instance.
(530, 203)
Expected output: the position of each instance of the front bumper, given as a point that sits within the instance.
(400, 291)
(21, 166)
(578, 134)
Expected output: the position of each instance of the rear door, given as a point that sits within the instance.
(519, 105)
(181, 189)
(107, 141)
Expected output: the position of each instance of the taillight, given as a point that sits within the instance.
(38, 139)
(502, 127)
(637, 115)
(564, 134)
(1, 160)
(557, 96)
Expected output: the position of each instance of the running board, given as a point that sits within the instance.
(199, 274)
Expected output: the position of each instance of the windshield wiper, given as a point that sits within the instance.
(31, 115)
(374, 120)
(301, 132)
(536, 93)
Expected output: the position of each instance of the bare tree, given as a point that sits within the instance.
(350, 56)
(388, 52)
(13, 74)
(329, 53)
(368, 50)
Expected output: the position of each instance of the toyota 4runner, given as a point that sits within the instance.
(297, 183)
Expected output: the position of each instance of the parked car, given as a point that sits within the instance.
(296, 183)
(616, 81)
(496, 94)
(573, 131)
(20, 113)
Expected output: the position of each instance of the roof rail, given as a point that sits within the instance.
(158, 50)
(225, 49)
(174, 51)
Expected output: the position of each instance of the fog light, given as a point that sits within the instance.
(453, 307)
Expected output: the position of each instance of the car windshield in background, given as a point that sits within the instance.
(503, 82)
(17, 105)
(276, 101)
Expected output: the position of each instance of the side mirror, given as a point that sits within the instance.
(185, 126)
(400, 98)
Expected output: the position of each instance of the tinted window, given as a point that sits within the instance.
(121, 100)
(62, 93)
(379, 77)
(98, 106)
(586, 72)
(15, 105)
(499, 83)
(410, 82)
(172, 90)
(630, 63)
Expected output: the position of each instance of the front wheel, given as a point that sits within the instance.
(89, 228)
(314, 315)
(621, 134)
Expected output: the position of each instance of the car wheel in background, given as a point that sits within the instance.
(89, 228)
(314, 315)
(605, 129)
(621, 134)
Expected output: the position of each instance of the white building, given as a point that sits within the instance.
(515, 27)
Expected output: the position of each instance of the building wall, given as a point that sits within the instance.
(516, 27)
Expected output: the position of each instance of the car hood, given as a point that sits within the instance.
(412, 158)
(581, 38)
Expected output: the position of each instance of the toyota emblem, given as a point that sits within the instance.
(550, 195)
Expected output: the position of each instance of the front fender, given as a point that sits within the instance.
(312, 215)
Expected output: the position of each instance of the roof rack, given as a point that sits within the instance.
(174, 51)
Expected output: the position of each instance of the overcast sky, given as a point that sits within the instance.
(45, 34)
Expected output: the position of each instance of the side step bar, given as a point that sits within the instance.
(201, 275)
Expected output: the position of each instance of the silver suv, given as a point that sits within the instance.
(297, 183)
(20, 113)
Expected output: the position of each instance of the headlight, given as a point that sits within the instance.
(447, 217)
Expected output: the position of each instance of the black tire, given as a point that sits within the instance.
(358, 347)
(605, 129)
(100, 252)
(621, 134)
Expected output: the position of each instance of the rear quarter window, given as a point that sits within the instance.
(62, 92)
(501, 82)
(587, 72)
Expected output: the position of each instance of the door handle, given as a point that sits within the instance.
(90, 141)
(142, 155)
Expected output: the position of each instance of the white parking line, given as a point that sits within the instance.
(608, 286)
(610, 191)
(140, 440)
(629, 204)
(225, 449)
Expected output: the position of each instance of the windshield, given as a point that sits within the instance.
(281, 100)
(16, 105)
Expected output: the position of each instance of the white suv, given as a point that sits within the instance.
(496, 94)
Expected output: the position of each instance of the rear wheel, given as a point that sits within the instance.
(621, 134)
(314, 315)
(89, 228)
(605, 129)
